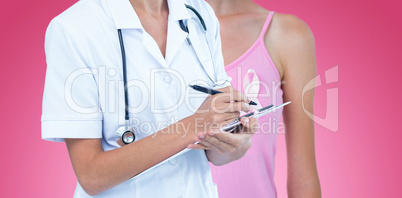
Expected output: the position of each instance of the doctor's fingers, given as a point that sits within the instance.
(230, 107)
(250, 124)
(204, 145)
(227, 97)
(227, 140)
(212, 146)
(226, 89)
(221, 146)
(201, 146)
(225, 118)
(238, 106)
(233, 91)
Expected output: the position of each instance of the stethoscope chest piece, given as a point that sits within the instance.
(125, 135)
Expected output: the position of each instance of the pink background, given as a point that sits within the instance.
(362, 159)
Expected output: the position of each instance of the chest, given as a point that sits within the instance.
(238, 34)
(159, 31)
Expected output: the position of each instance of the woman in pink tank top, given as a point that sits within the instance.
(282, 50)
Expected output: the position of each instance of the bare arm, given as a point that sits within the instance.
(98, 170)
(297, 55)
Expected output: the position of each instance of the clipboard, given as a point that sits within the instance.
(228, 128)
(257, 114)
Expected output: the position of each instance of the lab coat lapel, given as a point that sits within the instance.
(153, 48)
(197, 38)
(175, 38)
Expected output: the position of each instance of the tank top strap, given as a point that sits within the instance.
(266, 24)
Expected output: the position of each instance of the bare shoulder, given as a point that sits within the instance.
(291, 30)
(291, 40)
(290, 22)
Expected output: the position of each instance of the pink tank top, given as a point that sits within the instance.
(255, 74)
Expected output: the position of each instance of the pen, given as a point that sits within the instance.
(211, 91)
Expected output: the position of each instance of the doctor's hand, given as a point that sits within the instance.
(223, 147)
(219, 109)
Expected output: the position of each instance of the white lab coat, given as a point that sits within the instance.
(84, 97)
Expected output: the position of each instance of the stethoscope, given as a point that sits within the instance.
(125, 134)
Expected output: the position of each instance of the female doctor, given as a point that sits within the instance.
(84, 97)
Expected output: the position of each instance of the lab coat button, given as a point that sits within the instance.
(172, 161)
(167, 79)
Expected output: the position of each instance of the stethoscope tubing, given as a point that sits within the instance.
(124, 63)
(126, 128)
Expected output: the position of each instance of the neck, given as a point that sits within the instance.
(229, 7)
(150, 6)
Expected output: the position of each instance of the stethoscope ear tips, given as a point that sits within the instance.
(125, 135)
